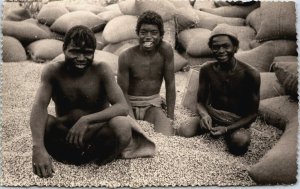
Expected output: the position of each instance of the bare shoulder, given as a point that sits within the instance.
(102, 69)
(207, 66)
(250, 71)
(51, 69)
(128, 53)
(166, 48)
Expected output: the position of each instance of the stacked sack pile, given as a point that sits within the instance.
(267, 35)
(266, 31)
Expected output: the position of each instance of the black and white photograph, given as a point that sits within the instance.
(148, 93)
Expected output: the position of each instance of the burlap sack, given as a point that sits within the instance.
(279, 165)
(116, 48)
(69, 20)
(100, 56)
(18, 14)
(113, 7)
(262, 57)
(210, 21)
(109, 15)
(36, 23)
(23, 31)
(185, 18)
(181, 3)
(45, 49)
(196, 62)
(170, 32)
(101, 43)
(195, 41)
(278, 21)
(179, 61)
(204, 4)
(94, 8)
(12, 50)
(164, 8)
(269, 86)
(286, 70)
(254, 19)
(128, 7)
(120, 29)
(49, 13)
(245, 34)
(189, 99)
(254, 43)
(232, 11)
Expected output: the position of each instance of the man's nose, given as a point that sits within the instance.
(81, 57)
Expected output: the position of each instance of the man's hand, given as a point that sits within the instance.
(41, 163)
(218, 131)
(77, 132)
(206, 122)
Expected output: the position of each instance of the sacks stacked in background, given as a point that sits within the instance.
(13, 51)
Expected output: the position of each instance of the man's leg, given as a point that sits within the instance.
(111, 139)
(162, 124)
(238, 141)
(56, 145)
(190, 128)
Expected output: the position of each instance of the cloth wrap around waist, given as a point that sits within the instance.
(221, 117)
(140, 104)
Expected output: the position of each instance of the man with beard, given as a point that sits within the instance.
(228, 96)
(91, 120)
(142, 69)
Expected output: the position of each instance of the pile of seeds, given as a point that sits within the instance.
(197, 161)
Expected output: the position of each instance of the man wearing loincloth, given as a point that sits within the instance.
(228, 95)
(142, 69)
(91, 120)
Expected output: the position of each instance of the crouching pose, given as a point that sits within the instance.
(91, 120)
(142, 69)
(228, 96)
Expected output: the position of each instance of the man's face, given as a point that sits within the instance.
(79, 57)
(149, 36)
(222, 48)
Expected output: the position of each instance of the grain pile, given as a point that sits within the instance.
(197, 161)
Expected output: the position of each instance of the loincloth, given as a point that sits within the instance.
(140, 104)
(221, 117)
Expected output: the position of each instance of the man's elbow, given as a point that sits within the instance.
(124, 110)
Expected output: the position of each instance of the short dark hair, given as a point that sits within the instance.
(150, 17)
(234, 40)
(78, 34)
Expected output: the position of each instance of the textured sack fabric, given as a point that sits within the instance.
(210, 21)
(270, 86)
(45, 49)
(286, 70)
(244, 34)
(109, 15)
(49, 13)
(94, 8)
(232, 11)
(179, 61)
(278, 21)
(100, 56)
(279, 165)
(23, 31)
(254, 19)
(128, 7)
(181, 3)
(12, 50)
(262, 57)
(185, 18)
(170, 32)
(18, 14)
(118, 48)
(69, 20)
(120, 29)
(189, 100)
(101, 43)
(195, 41)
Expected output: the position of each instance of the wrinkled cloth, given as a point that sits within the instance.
(140, 104)
(140, 145)
(222, 117)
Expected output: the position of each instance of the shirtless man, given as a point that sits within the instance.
(90, 122)
(142, 69)
(228, 96)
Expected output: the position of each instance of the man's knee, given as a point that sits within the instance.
(239, 141)
(189, 128)
(121, 127)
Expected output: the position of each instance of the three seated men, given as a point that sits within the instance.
(91, 120)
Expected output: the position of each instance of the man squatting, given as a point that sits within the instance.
(86, 127)
(228, 95)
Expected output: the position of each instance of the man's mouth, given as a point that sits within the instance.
(80, 65)
(148, 44)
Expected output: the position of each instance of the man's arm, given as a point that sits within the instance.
(169, 77)
(202, 97)
(123, 79)
(42, 165)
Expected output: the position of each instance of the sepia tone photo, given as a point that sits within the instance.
(148, 93)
